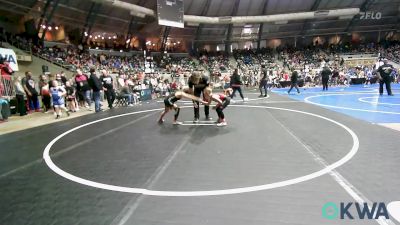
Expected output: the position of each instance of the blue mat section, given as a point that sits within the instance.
(356, 101)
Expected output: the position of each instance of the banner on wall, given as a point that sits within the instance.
(10, 56)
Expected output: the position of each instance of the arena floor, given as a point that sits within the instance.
(278, 162)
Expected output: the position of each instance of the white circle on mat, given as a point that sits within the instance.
(345, 108)
(327, 169)
(375, 100)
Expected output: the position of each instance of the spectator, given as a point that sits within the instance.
(108, 87)
(60, 80)
(30, 89)
(83, 89)
(6, 70)
(45, 93)
(20, 96)
(63, 78)
(97, 87)
(127, 93)
(71, 96)
(4, 110)
(5, 78)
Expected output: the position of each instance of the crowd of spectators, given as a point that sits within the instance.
(162, 74)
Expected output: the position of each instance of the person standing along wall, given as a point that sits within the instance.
(45, 93)
(108, 88)
(83, 88)
(97, 87)
(30, 88)
(20, 96)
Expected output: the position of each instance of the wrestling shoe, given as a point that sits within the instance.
(177, 123)
(161, 121)
(223, 123)
(208, 118)
(196, 120)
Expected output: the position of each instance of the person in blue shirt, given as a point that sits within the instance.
(57, 95)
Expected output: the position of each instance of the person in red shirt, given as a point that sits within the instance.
(6, 86)
(83, 88)
(285, 76)
(6, 70)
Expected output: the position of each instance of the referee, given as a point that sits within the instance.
(325, 73)
(236, 83)
(197, 83)
(384, 77)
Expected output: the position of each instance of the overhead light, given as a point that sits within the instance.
(148, 43)
(56, 27)
(115, 37)
(49, 28)
(95, 37)
(97, 47)
(90, 36)
(128, 40)
(154, 44)
(120, 50)
(102, 38)
(109, 38)
(179, 42)
(44, 26)
(174, 43)
(86, 34)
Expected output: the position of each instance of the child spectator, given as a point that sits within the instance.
(57, 94)
(71, 99)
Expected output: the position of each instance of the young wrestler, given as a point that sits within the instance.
(57, 94)
(223, 100)
(169, 103)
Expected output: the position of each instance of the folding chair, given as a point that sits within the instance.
(121, 100)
